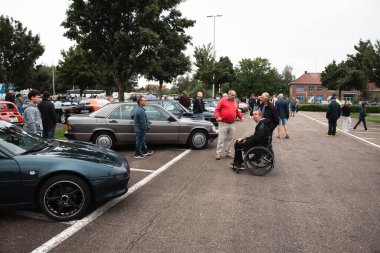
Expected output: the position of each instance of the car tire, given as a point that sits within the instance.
(198, 139)
(64, 197)
(104, 139)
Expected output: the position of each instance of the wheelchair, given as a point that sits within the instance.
(259, 160)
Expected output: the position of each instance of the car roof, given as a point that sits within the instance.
(108, 108)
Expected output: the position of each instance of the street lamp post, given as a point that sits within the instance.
(214, 16)
(53, 80)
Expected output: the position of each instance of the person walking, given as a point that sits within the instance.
(269, 111)
(362, 115)
(333, 113)
(283, 113)
(184, 100)
(199, 106)
(48, 115)
(226, 112)
(293, 106)
(346, 112)
(252, 105)
(32, 115)
(141, 127)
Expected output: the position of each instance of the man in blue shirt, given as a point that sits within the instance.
(283, 113)
(142, 126)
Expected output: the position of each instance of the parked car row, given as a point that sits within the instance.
(113, 125)
(65, 109)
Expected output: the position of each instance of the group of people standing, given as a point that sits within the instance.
(335, 110)
(39, 115)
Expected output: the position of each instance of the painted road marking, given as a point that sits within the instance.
(141, 170)
(65, 234)
(354, 136)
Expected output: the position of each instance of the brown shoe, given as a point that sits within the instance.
(229, 156)
(218, 157)
(278, 137)
(287, 137)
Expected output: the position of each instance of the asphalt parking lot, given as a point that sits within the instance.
(322, 196)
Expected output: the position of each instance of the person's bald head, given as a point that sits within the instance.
(231, 95)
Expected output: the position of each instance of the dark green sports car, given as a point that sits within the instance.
(61, 178)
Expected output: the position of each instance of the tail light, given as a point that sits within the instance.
(69, 128)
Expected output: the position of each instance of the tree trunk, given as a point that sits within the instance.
(120, 87)
(160, 89)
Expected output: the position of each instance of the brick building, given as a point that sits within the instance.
(308, 88)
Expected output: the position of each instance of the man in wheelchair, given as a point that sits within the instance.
(261, 136)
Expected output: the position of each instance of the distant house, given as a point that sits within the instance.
(308, 88)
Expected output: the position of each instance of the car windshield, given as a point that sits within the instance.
(17, 141)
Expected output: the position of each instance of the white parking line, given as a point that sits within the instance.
(354, 136)
(65, 234)
(141, 170)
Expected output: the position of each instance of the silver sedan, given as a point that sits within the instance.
(113, 125)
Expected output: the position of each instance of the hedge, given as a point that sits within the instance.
(323, 108)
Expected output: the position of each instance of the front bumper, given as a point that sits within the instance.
(70, 136)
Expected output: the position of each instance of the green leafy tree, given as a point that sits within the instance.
(77, 68)
(169, 60)
(256, 76)
(123, 35)
(19, 51)
(287, 77)
(204, 61)
(224, 73)
(183, 83)
(41, 78)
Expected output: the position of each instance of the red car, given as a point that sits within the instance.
(10, 113)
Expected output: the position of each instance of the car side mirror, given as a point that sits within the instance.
(171, 119)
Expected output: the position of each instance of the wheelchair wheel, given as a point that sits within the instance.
(259, 161)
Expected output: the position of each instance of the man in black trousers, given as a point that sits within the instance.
(333, 113)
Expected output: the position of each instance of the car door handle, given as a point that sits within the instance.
(113, 121)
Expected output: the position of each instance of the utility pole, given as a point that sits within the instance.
(214, 16)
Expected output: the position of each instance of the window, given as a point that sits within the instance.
(300, 88)
(172, 106)
(311, 88)
(123, 112)
(155, 113)
(320, 88)
(319, 98)
(300, 97)
(310, 99)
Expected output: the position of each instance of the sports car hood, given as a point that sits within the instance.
(84, 151)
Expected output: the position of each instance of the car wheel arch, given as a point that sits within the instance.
(192, 132)
(60, 173)
(107, 131)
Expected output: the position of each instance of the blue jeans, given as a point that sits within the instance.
(141, 147)
(199, 116)
(48, 133)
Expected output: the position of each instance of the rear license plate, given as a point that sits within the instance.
(13, 120)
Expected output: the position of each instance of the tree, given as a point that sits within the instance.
(204, 61)
(123, 35)
(19, 52)
(224, 72)
(256, 76)
(287, 77)
(169, 60)
(78, 69)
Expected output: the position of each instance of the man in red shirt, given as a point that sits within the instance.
(225, 113)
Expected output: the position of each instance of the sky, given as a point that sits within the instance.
(305, 34)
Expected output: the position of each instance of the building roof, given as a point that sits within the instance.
(308, 78)
(372, 87)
